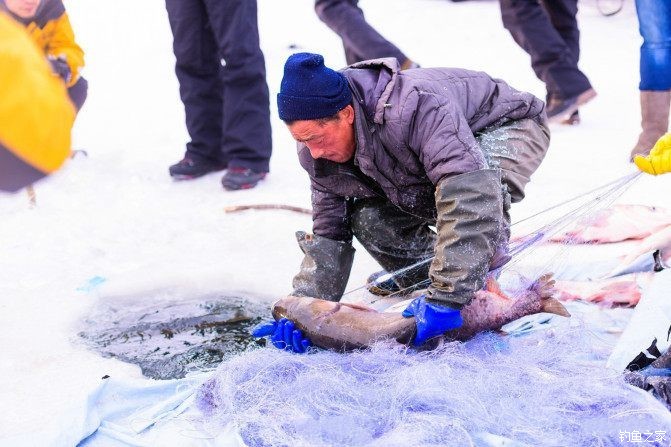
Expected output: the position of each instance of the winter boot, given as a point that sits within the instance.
(241, 178)
(189, 168)
(381, 287)
(654, 120)
(559, 110)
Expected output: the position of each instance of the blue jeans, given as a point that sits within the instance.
(654, 18)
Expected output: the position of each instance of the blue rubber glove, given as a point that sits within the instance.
(283, 335)
(432, 319)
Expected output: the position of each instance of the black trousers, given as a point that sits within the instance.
(360, 40)
(222, 81)
(548, 31)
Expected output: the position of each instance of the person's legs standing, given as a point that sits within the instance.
(553, 61)
(197, 68)
(361, 41)
(562, 15)
(246, 138)
(655, 65)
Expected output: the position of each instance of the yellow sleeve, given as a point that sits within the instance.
(36, 115)
(62, 43)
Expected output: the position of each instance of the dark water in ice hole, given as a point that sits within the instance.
(169, 340)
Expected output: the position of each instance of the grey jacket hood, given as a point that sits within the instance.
(381, 75)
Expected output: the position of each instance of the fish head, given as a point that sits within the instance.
(294, 307)
(341, 326)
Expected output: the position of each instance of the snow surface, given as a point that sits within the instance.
(118, 215)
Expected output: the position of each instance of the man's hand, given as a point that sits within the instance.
(61, 68)
(431, 319)
(659, 160)
(283, 335)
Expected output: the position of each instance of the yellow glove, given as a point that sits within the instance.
(659, 160)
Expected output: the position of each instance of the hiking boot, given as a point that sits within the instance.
(381, 288)
(241, 178)
(559, 110)
(189, 168)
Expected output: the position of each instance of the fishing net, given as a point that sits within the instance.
(547, 388)
(532, 255)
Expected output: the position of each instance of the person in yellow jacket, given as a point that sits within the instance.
(36, 115)
(659, 159)
(49, 27)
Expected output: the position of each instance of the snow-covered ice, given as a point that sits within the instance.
(116, 214)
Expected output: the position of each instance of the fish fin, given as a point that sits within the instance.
(544, 286)
(493, 286)
(552, 306)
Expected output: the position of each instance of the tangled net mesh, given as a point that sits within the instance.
(547, 388)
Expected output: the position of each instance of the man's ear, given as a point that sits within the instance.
(348, 114)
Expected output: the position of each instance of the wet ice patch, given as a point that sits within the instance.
(169, 339)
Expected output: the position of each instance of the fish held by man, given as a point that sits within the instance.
(343, 326)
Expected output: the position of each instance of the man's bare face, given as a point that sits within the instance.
(25, 9)
(332, 140)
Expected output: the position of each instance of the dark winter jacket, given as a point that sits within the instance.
(413, 128)
(414, 133)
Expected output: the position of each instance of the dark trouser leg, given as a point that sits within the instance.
(552, 59)
(246, 139)
(78, 93)
(360, 40)
(393, 238)
(517, 148)
(197, 71)
(562, 15)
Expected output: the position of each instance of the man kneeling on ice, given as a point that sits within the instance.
(391, 153)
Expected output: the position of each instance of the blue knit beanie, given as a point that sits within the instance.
(310, 90)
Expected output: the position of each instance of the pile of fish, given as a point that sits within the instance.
(617, 223)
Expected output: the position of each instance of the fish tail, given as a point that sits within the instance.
(553, 306)
(545, 289)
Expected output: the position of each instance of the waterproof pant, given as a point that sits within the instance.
(396, 239)
(654, 18)
(360, 40)
(548, 31)
(78, 93)
(222, 81)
